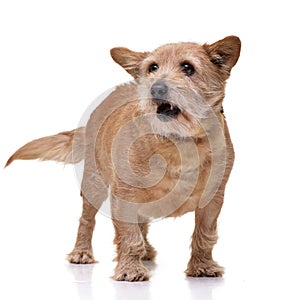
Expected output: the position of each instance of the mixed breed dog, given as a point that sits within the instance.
(157, 147)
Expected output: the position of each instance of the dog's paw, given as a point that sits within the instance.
(150, 253)
(81, 257)
(131, 272)
(204, 269)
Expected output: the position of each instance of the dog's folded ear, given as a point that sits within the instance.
(128, 59)
(224, 53)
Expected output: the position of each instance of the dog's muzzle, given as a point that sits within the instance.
(160, 95)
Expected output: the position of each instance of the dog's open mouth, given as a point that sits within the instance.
(167, 109)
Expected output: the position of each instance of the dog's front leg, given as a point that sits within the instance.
(130, 251)
(205, 236)
(83, 251)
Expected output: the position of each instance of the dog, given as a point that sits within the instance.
(158, 147)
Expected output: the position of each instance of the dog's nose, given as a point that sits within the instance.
(159, 90)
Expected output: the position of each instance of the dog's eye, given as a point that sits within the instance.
(187, 68)
(153, 67)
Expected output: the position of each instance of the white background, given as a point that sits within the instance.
(54, 61)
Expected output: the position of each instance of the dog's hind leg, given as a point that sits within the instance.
(83, 251)
(150, 251)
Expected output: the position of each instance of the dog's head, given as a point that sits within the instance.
(184, 82)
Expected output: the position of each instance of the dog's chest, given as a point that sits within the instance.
(176, 159)
(175, 169)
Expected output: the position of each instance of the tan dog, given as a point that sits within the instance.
(160, 146)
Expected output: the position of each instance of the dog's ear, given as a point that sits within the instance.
(224, 53)
(128, 59)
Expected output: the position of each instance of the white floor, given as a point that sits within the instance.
(38, 227)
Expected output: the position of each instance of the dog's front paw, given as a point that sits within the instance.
(204, 269)
(81, 257)
(131, 272)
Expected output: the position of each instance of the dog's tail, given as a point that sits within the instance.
(67, 147)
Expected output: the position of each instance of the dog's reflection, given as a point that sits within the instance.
(202, 288)
(83, 275)
(132, 290)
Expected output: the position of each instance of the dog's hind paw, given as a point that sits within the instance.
(204, 269)
(136, 272)
(81, 257)
(150, 253)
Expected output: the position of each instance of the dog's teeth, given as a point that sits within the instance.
(171, 106)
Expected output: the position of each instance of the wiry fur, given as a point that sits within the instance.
(123, 158)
